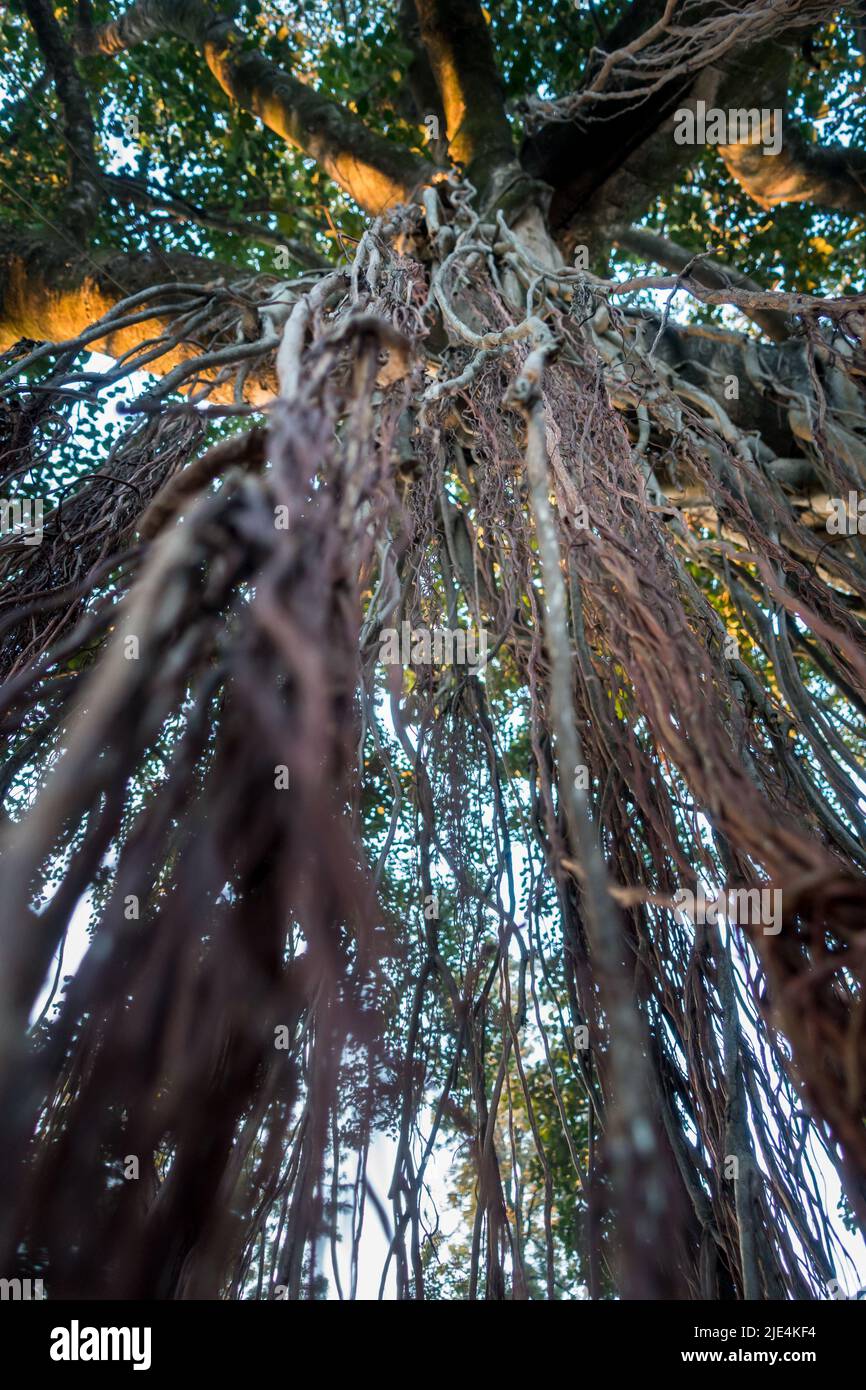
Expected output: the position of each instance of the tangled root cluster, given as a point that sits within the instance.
(330, 897)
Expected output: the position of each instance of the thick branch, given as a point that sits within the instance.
(609, 159)
(374, 171)
(773, 385)
(84, 191)
(457, 40)
(143, 21)
(609, 172)
(829, 176)
(423, 91)
(46, 295)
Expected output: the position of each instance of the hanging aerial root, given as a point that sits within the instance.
(212, 758)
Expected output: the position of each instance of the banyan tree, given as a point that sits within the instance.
(433, 654)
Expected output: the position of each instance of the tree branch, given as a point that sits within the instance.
(181, 210)
(106, 300)
(457, 39)
(374, 171)
(608, 154)
(831, 176)
(424, 93)
(836, 307)
(85, 194)
(712, 274)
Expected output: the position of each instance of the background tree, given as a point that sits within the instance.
(324, 319)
